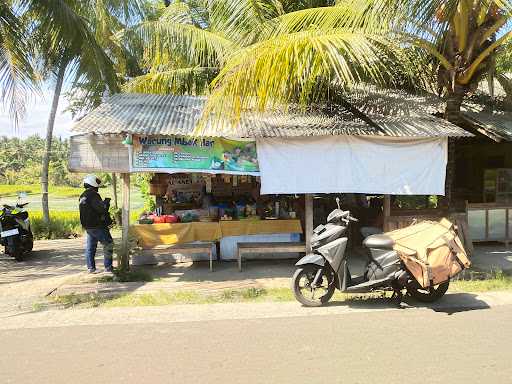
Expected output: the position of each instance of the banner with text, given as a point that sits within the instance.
(183, 153)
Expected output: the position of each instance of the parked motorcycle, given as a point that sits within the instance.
(327, 267)
(15, 232)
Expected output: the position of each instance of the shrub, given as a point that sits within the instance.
(63, 225)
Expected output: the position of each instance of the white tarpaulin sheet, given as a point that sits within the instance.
(353, 164)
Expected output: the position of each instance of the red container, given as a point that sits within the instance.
(171, 219)
(158, 219)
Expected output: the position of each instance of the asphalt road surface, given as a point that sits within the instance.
(402, 346)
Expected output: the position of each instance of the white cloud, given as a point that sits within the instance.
(36, 119)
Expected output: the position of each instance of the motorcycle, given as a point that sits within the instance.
(15, 232)
(319, 273)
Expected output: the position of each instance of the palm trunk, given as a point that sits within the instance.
(49, 137)
(453, 104)
(452, 114)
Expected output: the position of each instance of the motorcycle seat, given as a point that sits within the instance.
(379, 242)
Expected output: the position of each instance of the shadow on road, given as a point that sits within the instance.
(450, 304)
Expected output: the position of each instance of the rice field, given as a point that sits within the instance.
(60, 198)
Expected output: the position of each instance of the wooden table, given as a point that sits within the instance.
(163, 251)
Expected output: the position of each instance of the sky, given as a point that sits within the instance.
(36, 118)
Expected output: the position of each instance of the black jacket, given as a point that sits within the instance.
(93, 210)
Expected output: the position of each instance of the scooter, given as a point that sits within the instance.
(319, 273)
(15, 232)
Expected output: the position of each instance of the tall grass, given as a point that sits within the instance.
(63, 225)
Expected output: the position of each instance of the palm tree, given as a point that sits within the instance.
(270, 52)
(17, 78)
(75, 38)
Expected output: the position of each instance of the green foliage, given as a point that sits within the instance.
(415, 202)
(20, 161)
(63, 225)
(142, 182)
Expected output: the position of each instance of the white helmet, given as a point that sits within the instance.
(92, 180)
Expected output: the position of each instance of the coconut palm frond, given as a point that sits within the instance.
(198, 46)
(66, 34)
(191, 81)
(241, 20)
(288, 68)
(369, 16)
(178, 12)
(17, 78)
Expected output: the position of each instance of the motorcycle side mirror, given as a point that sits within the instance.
(338, 202)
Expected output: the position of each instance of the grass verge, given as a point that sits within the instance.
(163, 298)
(503, 283)
(252, 295)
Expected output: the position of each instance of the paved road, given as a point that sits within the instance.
(333, 346)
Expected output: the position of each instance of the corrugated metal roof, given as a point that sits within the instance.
(169, 114)
(495, 124)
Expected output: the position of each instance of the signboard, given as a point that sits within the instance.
(196, 154)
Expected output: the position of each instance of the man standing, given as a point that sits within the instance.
(95, 219)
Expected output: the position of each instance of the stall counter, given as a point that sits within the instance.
(151, 235)
(259, 227)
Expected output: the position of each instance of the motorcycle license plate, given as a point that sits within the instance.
(11, 232)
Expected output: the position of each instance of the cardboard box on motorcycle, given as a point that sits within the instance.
(431, 251)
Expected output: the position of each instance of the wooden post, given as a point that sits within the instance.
(308, 213)
(125, 249)
(387, 211)
(114, 190)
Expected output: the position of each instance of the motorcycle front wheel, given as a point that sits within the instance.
(304, 291)
(429, 295)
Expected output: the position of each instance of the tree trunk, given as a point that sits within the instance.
(453, 103)
(49, 137)
(453, 115)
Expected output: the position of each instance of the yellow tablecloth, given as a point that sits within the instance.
(259, 227)
(151, 235)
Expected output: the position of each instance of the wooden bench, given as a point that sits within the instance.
(246, 248)
(164, 251)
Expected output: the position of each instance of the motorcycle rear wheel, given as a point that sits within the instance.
(301, 285)
(429, 295)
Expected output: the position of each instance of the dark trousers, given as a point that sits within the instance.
(101, 235)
